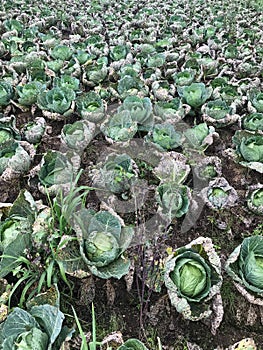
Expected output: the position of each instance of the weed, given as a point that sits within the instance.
(228, 296)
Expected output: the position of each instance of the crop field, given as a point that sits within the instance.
(131, 162)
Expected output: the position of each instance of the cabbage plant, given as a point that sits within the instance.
(29, 92)
(140, 110)
(252, 122)
(103, 239)
(219, 113)
(119, 127)
(199, 137)
(67, 81)
(34, 130)
(116, 174)
(156, 60)
(196, 94)
(164, 136)
(91, 107)
(57, 170)
(207, 169)
(193, 279)
(61, 52)
(249, 149)
(173, 200)
(128, 86)
(219, 194)
(229, 93)
(162, 90)
(170, 111)
(15, 159)
(55, 65)
(77, 135)
(185, 77)
(15, 231)
(118, 52)
(56, 103)
(96, 72)
(254, 199)
(255, 101)
(172, 167)
(244, 265)
(39, 328)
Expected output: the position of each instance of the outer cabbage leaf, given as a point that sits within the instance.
(6, 93)
(50, 318)
(40, 328)
(33, 339)
(18, 322)
(245, 266)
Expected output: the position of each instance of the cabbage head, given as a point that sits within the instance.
(193, 277)
(103, 240)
